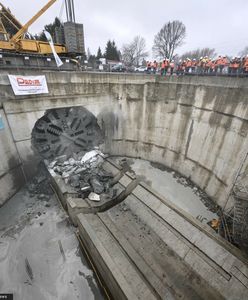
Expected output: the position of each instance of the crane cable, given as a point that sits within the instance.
(61, 10)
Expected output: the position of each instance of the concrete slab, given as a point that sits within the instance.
(144, 233)
(159, 287)
(110, 166)
(76, 206)
(165, 255)
(122, 278)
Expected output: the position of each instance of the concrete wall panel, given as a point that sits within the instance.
(8, 153)
(11, 174)
(10, 183)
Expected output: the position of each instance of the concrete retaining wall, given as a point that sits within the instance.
(11, 173)
(196, 125)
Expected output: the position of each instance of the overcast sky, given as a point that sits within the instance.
(220, 24)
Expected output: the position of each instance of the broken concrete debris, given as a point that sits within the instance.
(94, 197)
(84, 172)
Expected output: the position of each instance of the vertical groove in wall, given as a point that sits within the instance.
(189, 138)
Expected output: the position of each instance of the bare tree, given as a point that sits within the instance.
(244, 52)
(170, 37)
(134, 52)
(198, 53)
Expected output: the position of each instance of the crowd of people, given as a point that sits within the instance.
(205, 65)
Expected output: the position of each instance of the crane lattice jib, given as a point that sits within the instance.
(10, 25)
(24, 29)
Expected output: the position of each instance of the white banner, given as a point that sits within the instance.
(50, 41)
(26, 85)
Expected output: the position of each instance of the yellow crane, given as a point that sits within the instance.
(12, 34)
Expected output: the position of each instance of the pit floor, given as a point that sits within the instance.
(40, 258)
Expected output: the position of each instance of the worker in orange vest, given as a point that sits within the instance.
(193, 65)
(204, 64)
(223, 63)
(148, 67)
(154, 67)
(211, 66)
(162, 67)
(188, 65)
(165, 66)
(172, 66)
(184, 64)
(239, 62)
(231, 66)
(234, 65)
(245, 65)
(218, 64)
(200, 65)
(179, 69)
(208, 65)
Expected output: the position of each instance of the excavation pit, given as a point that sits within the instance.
(195, 127)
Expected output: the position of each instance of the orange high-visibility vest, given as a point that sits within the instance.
(188, 63)
(223, 61)
(235, 65)
(209, 64)
(246, 64)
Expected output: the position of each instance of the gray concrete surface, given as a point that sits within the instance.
(147, 242)
(194, 125)
(175, 188)
(11, 173)
(40, 258)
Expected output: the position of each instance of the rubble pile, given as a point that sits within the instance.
(84, 172)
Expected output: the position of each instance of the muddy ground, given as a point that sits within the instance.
(40, 258)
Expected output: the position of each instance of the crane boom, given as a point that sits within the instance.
(31, 21)
(10, 23)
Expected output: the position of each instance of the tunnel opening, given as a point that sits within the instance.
(65, 131)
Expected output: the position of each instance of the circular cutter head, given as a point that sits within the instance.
(65, 131)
